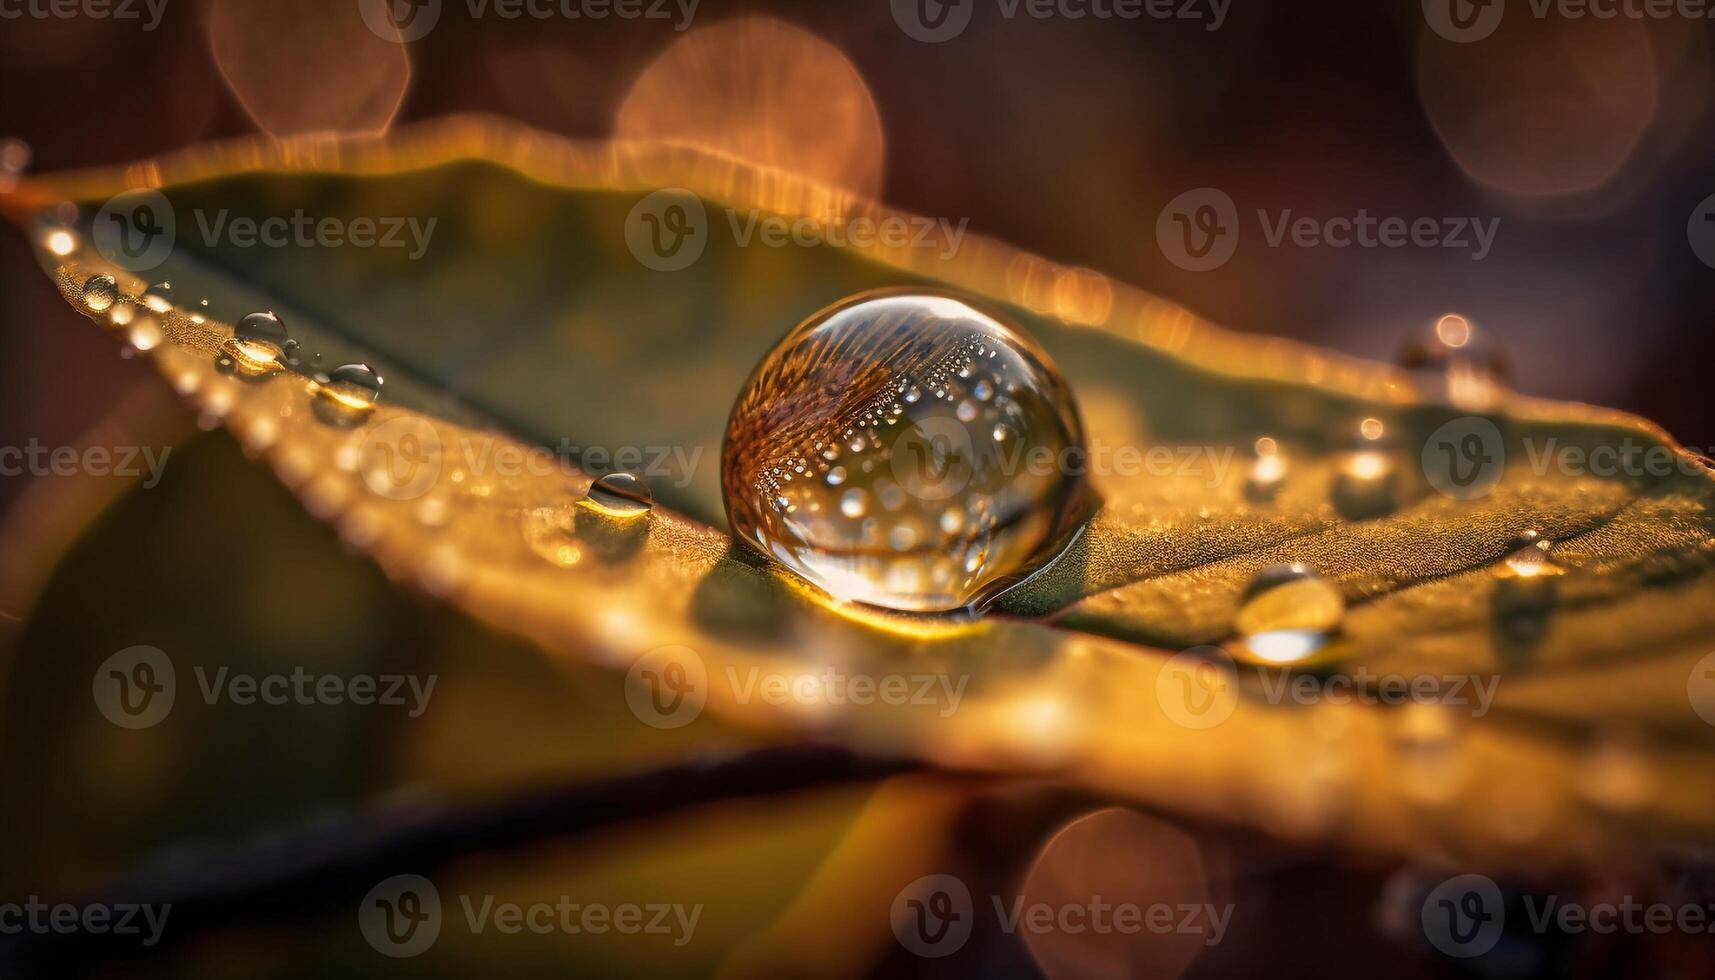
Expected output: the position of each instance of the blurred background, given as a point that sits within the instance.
(1588, 141)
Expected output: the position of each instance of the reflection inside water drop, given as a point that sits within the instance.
(1288, 614)
(888, 450)
(1456, 361)
(622, 495)
(256, 348)
(99, 293)
(347, 394)
(159, 297)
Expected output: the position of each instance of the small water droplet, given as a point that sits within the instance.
(256, 348)
(1527, 557)
(159, 297)
(348, 394)
(623, 495)
(14, 157)
(100, 292)
(1366, 486)
(1288, 614)
(1267, 473)
(876, 530)
(1456, 361)
(145, 334)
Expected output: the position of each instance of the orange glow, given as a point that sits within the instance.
(764, 91)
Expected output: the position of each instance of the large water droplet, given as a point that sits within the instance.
(100, 292)
(1456, 361)
(256, 348)
(1288, 614)
(348, 394)
(622, 495)
(935, 406)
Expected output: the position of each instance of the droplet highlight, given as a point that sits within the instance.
(348, 394)
(1288, 614)
(933, 406)
(621, 495)
(99, 293)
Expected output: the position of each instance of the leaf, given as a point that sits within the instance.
(527, 314)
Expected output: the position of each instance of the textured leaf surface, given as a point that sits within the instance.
(529, 316)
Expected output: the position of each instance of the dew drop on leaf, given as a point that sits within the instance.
(1267, 473)
(1288, 614)
(144, 333)
(159, 297)
(348, 395)
(99, 293)
(924, 426)
(1527, 557)
(256, 348)
(1456, 361)
(622, 495)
